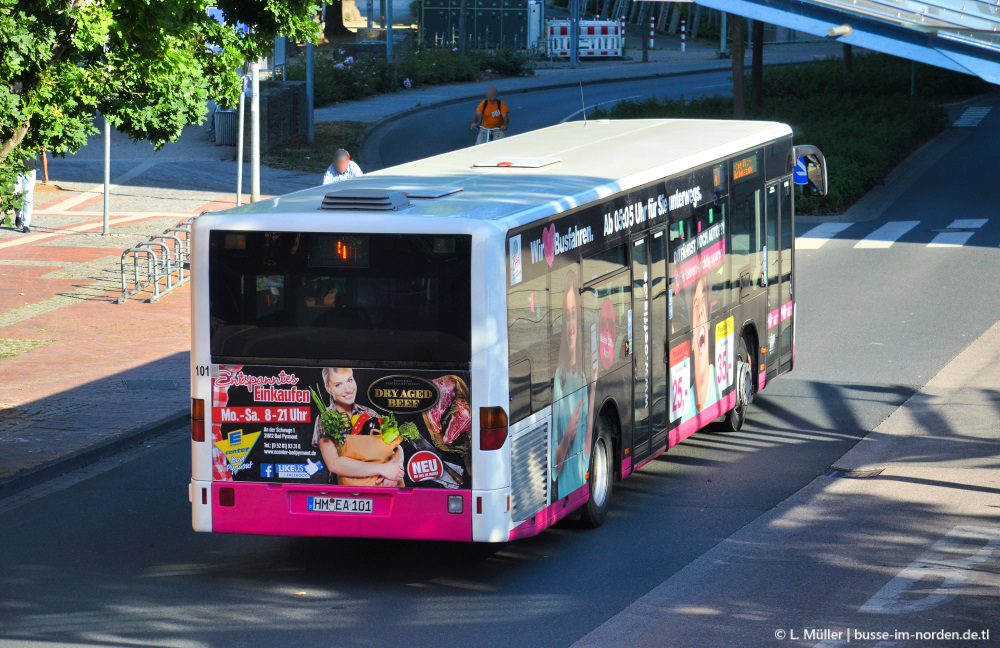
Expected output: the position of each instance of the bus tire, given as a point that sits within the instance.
(600, 479)
(735, 417)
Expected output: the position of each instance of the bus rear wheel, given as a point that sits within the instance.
(744, 390)
(600, 479)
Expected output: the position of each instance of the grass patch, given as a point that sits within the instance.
(300, 155)
(865, 123)
(10, 347)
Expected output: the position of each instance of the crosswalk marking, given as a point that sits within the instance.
(957, 239)
(972, 116)
(886, 235)
(817, 236)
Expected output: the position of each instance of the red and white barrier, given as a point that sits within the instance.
(597, 38)
(652, 29)
(683, 35)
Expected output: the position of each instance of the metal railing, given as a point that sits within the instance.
(167, 263)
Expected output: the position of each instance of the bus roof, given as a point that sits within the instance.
(596, 159)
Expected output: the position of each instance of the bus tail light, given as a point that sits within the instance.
(197, 419)
(492, 428)
(227, 496)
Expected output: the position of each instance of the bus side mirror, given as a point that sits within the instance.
(814, 176)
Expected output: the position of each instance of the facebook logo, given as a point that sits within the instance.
(267, 470)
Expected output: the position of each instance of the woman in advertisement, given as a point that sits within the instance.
(706, 388)
(343, 390)
(573, 403)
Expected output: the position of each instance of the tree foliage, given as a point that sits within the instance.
(148, 66)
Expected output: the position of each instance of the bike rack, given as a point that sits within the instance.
(165, 254)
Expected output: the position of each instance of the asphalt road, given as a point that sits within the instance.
(111, 560)
(446, 128)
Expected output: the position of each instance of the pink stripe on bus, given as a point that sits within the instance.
(626, 467)
(761, 379)
(703, 418)
(402, 513)
(551, 514)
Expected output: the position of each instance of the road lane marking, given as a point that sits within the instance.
(572, 115)
(949, 560)
(886, 235)
(957, 239)
(972, 116)
(815, 238)
(717, 85)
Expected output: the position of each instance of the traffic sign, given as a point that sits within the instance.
(801, 177)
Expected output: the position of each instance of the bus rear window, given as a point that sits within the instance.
(382, 298)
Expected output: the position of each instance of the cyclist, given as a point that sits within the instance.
(492, 117)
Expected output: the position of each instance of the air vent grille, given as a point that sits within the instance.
(529, 474)
(365, 200)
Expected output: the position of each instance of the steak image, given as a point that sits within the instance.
(447, 386)
(459, 421)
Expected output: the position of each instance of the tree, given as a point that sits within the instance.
(739, 52)
(147, 67)
(757, 64)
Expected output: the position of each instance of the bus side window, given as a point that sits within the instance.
(609, 294)
(708, 216)
(746, 231)
(681, 320)
(527, 339)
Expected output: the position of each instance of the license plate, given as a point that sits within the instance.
(340, 505)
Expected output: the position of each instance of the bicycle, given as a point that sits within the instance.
(489, 133)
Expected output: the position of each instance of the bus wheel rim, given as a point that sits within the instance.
(745, 382)
(600, 473)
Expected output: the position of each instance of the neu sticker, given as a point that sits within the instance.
(424, 465)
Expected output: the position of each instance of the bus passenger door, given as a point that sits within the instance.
(778, 259)
(640, 336)
(659, 346)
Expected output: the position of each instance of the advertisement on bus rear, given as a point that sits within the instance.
(342, 426)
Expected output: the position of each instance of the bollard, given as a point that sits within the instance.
(683, 35)
(652, 27)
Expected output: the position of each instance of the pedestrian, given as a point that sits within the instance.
(492, 117)
(25, 185)
(343, 168)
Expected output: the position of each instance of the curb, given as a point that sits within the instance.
(62, 465)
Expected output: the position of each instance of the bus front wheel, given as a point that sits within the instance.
(744, 390)
(600, 478)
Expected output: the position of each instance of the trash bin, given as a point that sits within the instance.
(226, 125)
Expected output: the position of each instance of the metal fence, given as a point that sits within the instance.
(160, 264)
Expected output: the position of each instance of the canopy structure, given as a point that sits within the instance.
(959, 35)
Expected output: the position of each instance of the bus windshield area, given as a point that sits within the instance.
(309, 297)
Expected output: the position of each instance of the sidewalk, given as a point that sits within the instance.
(663, 61)
(902, 536)
(78, 369)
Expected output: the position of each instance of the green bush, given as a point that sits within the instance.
(864, 123)
(335, 80)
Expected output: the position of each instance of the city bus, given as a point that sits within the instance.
(474, 346)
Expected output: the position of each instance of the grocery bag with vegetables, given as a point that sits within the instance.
(363, 437)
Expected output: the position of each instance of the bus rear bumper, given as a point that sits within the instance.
(282, 509)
